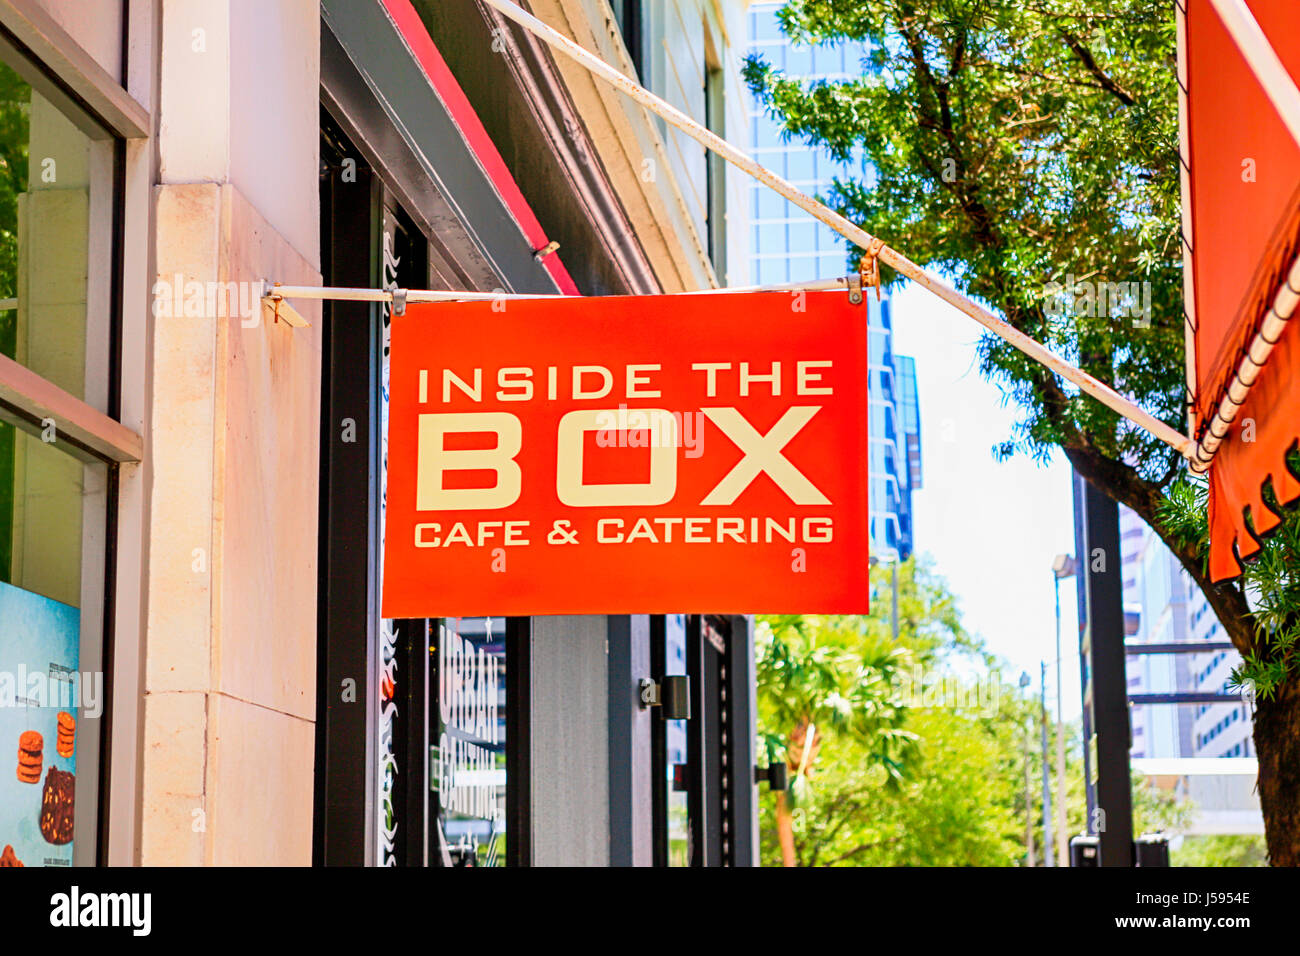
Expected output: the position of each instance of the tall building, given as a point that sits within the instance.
(788, 245)
(1164, 606)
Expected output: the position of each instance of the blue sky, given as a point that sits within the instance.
(991, 528)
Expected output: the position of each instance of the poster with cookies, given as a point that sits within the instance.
(40, 643)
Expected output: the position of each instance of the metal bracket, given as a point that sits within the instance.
(777, 776)
(546, 250)
(869, 265)
(855, 289)
(399, 302)
(280, 309)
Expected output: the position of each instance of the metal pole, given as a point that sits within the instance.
(1085, 685)
(1062, 834)
(857, 235)
(272, 291)
(1047, 777)
(1107, 696)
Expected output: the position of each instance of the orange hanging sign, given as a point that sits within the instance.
(642, 454)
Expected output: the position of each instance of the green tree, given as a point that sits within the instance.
(1016, 143)
(820, 676)
(959, 804)
(1221, 850)
(888, 777)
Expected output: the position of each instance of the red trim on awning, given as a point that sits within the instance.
(440, 77)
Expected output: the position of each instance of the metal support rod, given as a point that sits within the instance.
(855, 234)
(274, 291)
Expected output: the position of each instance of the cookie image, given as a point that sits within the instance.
(31, 756)
(67, 734)
(7, 858)
(56, 806)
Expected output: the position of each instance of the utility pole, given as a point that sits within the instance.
(1062, 567)
(1029, 786)
(1106, 687)
(1047, 778)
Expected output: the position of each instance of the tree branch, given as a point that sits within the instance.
(1107, 84)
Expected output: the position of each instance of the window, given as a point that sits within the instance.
(627, 14)
(671, 753)
(56, 229)
(468, 701)
(57, 319)
(716, 167)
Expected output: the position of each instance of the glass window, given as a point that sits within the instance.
(56, 318)
(52, 545)
(765, 26)
(679, 840)
(802, 237)
(771, 205)
(771, 237)
(798, 61)
(832, 266)
(467, 690)
(772, 271)
(828, 240)
(802, 168)
(767, 134)
(56, 240)
(803, 269)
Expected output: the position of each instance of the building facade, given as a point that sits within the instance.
(1164, 606)
(192, 490)
(788, 245)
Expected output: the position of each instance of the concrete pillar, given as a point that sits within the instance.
(230, 694)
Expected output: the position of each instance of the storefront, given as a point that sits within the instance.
(194, 669)
(70, 427)
(487, 741)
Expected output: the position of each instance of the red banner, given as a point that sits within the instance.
(1244, 200)
(649, 454)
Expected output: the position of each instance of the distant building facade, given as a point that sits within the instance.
(788, 245)
(1165, 606)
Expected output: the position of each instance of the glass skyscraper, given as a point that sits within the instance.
(788, 245)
